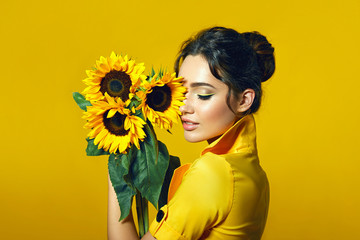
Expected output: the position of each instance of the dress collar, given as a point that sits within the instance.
(241, 136)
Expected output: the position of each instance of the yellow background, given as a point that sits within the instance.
(308, 126)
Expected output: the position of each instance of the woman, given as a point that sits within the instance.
(224, 194)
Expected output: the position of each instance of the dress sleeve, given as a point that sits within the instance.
(202, 200)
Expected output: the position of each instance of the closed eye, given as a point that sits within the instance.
(205, 96)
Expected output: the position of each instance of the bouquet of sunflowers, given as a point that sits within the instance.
(121, 105)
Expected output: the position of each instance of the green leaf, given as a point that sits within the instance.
(124, 191)
(149, 167)
(81, 101)
(161, 72)
(152, 73)
(126, 162)
(173, 164)
(92, 149)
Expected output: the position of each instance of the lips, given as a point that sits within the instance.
(188, 124)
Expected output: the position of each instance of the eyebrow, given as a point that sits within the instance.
(201, 84)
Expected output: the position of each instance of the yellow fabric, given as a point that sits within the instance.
(223, 195)
(177, 179)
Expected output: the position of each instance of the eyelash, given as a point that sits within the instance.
(205, 97)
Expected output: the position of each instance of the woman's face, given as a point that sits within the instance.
(205, 115)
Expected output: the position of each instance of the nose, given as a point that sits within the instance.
(187, 107)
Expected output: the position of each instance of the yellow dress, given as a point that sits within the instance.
(224, 194)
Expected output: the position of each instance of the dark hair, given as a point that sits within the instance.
(240, 60)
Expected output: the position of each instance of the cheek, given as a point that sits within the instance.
(218, 114)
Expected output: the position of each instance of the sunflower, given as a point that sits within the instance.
(113, 128)
(162, 99)
(116, 75)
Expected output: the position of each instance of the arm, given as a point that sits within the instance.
(124, 229)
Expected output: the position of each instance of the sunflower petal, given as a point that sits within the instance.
(111, 113)
(115, 144)
(100, 136)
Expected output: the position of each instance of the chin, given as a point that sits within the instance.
(190, 140)
(193, 139)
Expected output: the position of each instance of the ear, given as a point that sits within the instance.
(246, 99)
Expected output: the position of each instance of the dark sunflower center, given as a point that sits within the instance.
(116, 84)
(160, 98)
(115, 125)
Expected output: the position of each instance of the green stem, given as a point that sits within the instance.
(142, 214)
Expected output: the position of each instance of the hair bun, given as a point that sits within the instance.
(264, 52)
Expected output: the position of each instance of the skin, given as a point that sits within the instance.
(205, 117)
